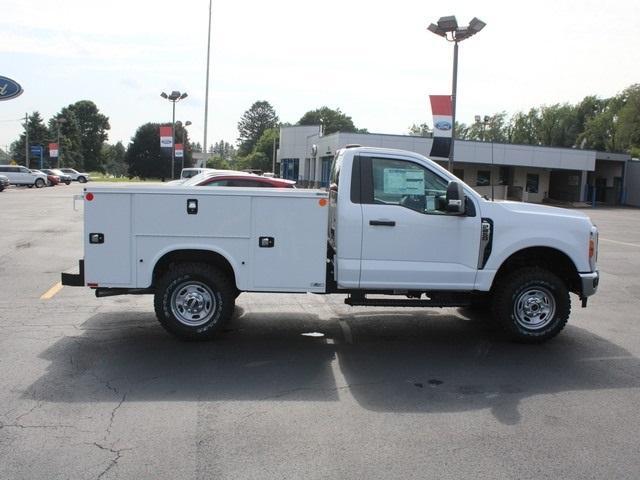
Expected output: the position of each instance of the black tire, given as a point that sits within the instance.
(82, 179)
(206, 288)
(39, 183)
(531, 304)
(67, 182)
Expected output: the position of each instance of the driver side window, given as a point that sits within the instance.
(409, 185)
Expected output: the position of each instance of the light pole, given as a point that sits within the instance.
(175, 96)
(60, 121)
(447, 27)
(206, 94)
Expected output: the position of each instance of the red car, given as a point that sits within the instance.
(52, 180)
(243, 181)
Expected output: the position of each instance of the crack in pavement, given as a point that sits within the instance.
(114, 461)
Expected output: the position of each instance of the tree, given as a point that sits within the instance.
(524, 128)
(146, 159)
(265, 145)
(253, 123)
(421, 130)
(114, 157)
(628, 127)
(38, 135)
(494, 130)
(331, 120)
(255, 160)
(92, 127)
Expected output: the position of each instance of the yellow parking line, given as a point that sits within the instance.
(49, 294)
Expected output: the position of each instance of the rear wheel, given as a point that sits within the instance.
(194, 301)
(82, 179)
(39, 183)
(531, 304)
(67, 182)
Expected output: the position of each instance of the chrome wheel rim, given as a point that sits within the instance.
(534, 308)
(193, 303)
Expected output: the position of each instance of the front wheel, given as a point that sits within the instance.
(531, 304)
(39, 183)
(82, 179)
(194, 301)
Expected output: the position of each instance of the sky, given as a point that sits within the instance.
(374, 60)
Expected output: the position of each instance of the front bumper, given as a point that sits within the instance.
(590, 283)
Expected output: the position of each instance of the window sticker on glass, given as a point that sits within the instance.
(403, 182)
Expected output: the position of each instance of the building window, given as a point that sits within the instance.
(484, 178)
(533, 180)
(459, 172)
(290, 168)
(504, 176)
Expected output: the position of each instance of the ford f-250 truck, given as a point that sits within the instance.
(394, 229)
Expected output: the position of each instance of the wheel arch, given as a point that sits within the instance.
(197, 255)
(549, 258)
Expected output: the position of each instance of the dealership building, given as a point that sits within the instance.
(515, 172)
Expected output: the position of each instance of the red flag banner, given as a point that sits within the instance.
(442, 125)
(53, 150)
(179, 150)
(166, 138)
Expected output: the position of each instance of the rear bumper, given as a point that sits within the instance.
(72, 279)
(589, 283)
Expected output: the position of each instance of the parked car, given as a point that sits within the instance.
(246, 180)
(75, 175)
(190, 174)
(52, 180)
(19, 175)
(4, 182)
(64, 178)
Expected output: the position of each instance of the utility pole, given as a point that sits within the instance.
(206, 95)
(273, 165)
(26, 140)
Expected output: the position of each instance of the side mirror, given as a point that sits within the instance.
(455, 199)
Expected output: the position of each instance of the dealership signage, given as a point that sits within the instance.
(53, 150)
(442, 125)
(166, 137)
(9, 89)
(179, 150)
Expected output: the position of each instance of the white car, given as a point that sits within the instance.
(19, 175)
(75, 175)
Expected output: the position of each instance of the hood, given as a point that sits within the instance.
(534, 208)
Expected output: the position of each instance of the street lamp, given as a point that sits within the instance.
(60, 121)
(174, 97)
(483, 122)
(447, 27)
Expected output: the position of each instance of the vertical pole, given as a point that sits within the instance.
(26, 140)
(173, 140)
(59, 148)
(184, 148)
(206, 95)
(454, 91)
(41, 159)
(273, 163)
(492, 173)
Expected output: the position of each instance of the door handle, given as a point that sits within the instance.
(382, 223)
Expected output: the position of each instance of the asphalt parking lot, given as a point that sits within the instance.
(94, 388)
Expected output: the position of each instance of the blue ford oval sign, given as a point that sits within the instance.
(443, 125)
(9, 89)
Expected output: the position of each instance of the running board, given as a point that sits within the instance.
(363, 301)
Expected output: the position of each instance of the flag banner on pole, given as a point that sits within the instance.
(53, 150)
(166, 139)
(442, 125)
(179, 150)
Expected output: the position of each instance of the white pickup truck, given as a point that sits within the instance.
(394, 229)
